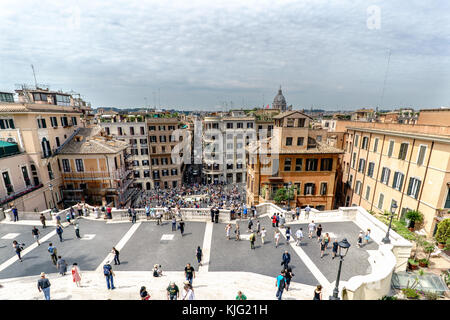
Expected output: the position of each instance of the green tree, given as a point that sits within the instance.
(443, 231)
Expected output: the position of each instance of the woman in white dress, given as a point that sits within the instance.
(263, 234)
(188, 291)
(277, 238)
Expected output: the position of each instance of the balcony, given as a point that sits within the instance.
(96, 175)
(14, 195)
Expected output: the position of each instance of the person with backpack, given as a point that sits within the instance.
(288, 234)
(115, 252)
(280, 284)
(199, 255)
(109, 275)
(288, 275)
(59, 231)
(250, 225)
(252, 240)
(18, 249)
(53, 253)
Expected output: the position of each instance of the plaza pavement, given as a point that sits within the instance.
(232, 264)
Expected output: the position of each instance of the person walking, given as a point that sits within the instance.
(35, 232)
(280, 284)
(53, 253)
(250, 225)
(109, 275)
(144, 294)
(79, 209)
(68, 216)
(147, 211)
(286, 258)
(158, 217)
(318, 293)
(282, 221)
(311, 228)
(319, 233)
(277, 221)
(299, 236)
(327, 240)
(322, 247)
(360, 239)
(42, 218)
(258, 227)
(96, 212)
(252, 239)
(297, 212)
(189, 273)
(76, 274)
(77, 229)
(228, 230)
(174, 223)
(263, 234)
(288, 234)
(307, 211)
(288, 275)
(18, 249)
(173, 293)
(238, 232)
(59, 231)
(334, 249)
(43, 285)
(115, 252)
(212, 214)
(277, 238)
(15, 213)
(216, 215)
(274, 220)
(181, 226)
(367, 237)
(199, 255)
(133, 215)
(188, 291)
(61, 265)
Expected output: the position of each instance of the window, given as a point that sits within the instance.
(287, 164)
(229, 125)
(64, 121)
(6, 97)
(365, 142)
(323, 188)
(136, 174)
(309, 189)
(239, 166)
(403, 151)
(367, 193)
(174, 184)
(300, 141)
(79, 165)
(57, 142)
(142, 130)
(54, 121)
(240, 125)
(7, 181)
(391, 148)
(144, 151)
(39, 97)
(146, 173)
(119, 131)
(155, 174)
(62, 100)
(380, 201)
(162, 138)
(25, 175)
(354, 160)
(161, 128)
(145, 162)
(50, 172)
(152, 138)
(47, 152)
(289, 141)
(290, 122)
(385, 175)
(7, 124)
(398, 180)
(136, 163)
(74, 121)
(362, 165)
(155, 162)
(326, 164)
(143, 141)
(311, 164)
(414, 187)
(131, 131)
(356, 141)
(421, 156)
(165, 172)
(447, 201)
(174, 172)
(371, 169)
(301, 122)
(151, 128)
(249, 125)
(375, 145)
(358, 187)
(298, 164)
(350, 180)
(41, 123)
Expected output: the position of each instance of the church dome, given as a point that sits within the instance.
(279, 102)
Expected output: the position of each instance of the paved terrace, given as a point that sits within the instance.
(229, 265)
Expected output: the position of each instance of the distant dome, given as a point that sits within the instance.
(279, 102)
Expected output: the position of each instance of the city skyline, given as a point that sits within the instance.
(212, 57)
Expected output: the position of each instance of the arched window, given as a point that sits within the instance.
(46, 148)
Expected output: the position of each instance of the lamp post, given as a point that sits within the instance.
(344, 245)
(386, 239)
(50, 186)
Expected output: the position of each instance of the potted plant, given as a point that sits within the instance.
(443, 233)
(413, 264)
(414, 216)
(423, 262)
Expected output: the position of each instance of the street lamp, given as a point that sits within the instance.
(50, 186)
(344, 245)
(386, 239)
(289, 195)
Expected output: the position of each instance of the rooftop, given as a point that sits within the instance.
(319, 148)
(6, 107)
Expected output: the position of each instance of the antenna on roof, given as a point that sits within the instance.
(34, 75)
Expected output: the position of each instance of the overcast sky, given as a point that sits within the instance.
(209, 54)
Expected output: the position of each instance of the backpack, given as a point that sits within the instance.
(282, 284)
(106, 269)
(155, 273)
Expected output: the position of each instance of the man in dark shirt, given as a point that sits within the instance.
(212, 214)
(216, 215)
(44, 285)
(173, 293)
(189, 272)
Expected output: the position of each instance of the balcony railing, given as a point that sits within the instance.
(14, 195)
(97, 175)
